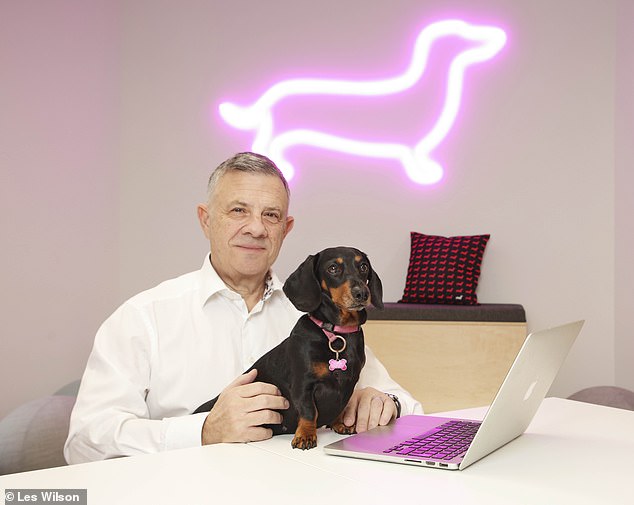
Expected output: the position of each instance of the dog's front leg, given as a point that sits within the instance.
(306, 432)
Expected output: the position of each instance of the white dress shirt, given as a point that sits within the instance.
(171, 348)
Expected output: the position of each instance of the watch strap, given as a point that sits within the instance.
(397, 403)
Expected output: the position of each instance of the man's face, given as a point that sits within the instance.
(246, 223)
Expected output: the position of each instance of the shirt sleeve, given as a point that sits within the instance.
(111, 417)
(374, 374)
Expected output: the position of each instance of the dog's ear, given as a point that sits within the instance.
(302, 286)
(376, 289)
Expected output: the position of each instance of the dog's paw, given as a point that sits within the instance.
(342, 429)
(305, 435)
(304, 441)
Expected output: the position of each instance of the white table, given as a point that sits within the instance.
(572, 453)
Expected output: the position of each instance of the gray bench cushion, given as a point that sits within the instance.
(487, 312)
(32, 436)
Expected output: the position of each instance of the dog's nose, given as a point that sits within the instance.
(360, 294)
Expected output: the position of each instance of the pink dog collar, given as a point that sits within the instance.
(333, 333)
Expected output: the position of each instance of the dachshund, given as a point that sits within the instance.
(317, 367)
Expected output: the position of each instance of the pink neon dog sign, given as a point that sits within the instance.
(484, 43)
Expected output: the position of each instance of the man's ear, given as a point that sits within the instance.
(203, 218)
(290, 222)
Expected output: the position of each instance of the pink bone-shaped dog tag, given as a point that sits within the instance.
(335, 364)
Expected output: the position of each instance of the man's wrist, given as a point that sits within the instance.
(396, 401)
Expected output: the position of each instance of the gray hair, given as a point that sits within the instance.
(246, 162)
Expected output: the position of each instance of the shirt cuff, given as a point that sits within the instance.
(183, 432)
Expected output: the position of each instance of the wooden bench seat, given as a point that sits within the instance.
(447, 356)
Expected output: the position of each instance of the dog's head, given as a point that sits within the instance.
(336, 280)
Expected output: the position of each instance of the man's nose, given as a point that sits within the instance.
(255, 226)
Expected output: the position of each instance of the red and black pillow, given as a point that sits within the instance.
(444, 270)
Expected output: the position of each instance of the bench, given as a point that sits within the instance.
(448, 357)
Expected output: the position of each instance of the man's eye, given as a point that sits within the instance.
(272, 217)
(238, 210)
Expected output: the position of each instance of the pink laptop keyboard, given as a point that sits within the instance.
(445, 442)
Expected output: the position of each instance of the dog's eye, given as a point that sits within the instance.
(334, 269)
(364, 268)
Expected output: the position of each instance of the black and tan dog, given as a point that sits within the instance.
(317, 367)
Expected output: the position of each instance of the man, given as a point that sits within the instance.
(169, 349)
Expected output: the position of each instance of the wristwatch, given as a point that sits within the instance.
(397, 403)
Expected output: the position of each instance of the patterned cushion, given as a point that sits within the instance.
(444, 269)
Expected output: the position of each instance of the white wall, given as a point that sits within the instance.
(120, 162)
(58, 189)
(624, 223)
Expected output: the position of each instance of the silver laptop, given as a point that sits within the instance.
(454, 444)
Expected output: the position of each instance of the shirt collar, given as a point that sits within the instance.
(211, 283)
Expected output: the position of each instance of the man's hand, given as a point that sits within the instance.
(369, 408)
(241, 408)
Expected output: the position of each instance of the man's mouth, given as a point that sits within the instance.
(250, 247)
